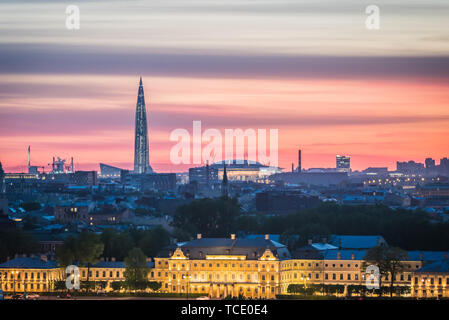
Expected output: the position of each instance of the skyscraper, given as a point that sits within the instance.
(141, 148)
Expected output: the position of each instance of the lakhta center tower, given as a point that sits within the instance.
(141, 144)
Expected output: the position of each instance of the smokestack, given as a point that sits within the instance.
(72, 165)
(293, 169)
(29, 158)
(299, 161)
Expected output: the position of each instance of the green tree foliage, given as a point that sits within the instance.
(116, 244)
(89, 248)
(66, 253)
(401, 228)
(85, 249)
(136, 272)
(389, 260)
(210, 217)
(152, 242)
(154, 285)
(117, 285)
(60, 285)
(15, 241)
(304, 290)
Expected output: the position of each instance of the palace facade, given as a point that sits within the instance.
(254, 268)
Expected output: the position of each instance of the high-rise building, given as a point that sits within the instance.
(410, 167)
(141, 148)
(343, 163)
(430, 163)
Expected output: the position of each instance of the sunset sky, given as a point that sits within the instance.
(310, 69)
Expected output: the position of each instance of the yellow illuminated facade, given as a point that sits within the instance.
(219, 276)
(232, 267)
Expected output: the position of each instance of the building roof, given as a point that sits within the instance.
(356, 242)
(251, 248)
(116, 264)
(109, 264)
(426, 255)
(29, 263)
(344, 254)
(323, 246)
(438, 266)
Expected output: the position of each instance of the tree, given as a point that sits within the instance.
(389, 260)
(210, 217)
(116, 244)
(153, 241)
(136, 272)
(88, 250)
(65, 254)
(117, 285)
(15, 241)
(154, 285)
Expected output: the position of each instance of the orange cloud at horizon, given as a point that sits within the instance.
(91, 117)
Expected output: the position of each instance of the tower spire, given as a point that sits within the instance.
(141, 145)
(224, 183)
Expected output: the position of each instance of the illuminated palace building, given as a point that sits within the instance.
(253, 267)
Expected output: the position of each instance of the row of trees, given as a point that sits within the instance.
(15, 241)
(338, 289)
(401, 228)
(86, 250)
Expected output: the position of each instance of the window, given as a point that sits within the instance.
(334, 276)
(349, 276)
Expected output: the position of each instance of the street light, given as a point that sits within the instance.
(305, 279)
(188, 284)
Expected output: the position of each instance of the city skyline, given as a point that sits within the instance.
(379, 96)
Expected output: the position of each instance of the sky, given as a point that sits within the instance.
(310, 69)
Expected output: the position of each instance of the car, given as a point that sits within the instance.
(17, 296)
(32, 296)
(203, 298)
(65, 296)
(101, 293)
